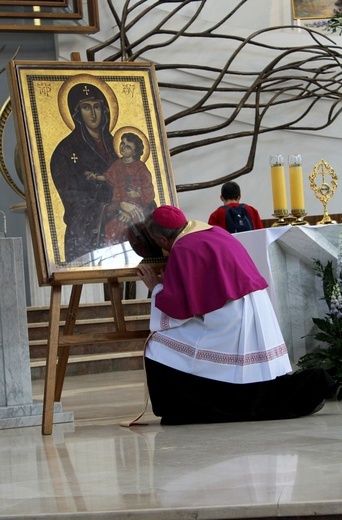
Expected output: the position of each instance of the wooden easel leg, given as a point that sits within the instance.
(51, 360)
(63, 354)
(116, 300)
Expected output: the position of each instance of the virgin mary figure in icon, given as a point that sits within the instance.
(89, 107)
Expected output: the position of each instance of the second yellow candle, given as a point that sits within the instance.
(296, 188)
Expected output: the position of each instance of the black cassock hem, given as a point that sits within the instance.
(181, 398)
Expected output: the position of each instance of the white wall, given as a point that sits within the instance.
(205, 163)
(219, 160)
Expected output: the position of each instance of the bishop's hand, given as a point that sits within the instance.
(149, 276)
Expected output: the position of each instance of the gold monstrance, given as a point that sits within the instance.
(324, 191)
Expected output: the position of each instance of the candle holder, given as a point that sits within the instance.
(295, 160)
(324, 191)
(299, 215)
(276, 160)
(281, 215)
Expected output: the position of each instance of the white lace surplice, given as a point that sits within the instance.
(239, 343)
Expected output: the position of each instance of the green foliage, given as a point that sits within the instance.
(332, 25)
(326, 273)
(329, 356)
(335, 23)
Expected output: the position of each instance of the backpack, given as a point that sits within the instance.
(238, 219)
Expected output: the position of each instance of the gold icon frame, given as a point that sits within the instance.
(37, 96)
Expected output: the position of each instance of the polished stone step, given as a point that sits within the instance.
(91, 310)
(90, 357)
(38, 332)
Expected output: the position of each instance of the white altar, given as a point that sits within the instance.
(284, 256)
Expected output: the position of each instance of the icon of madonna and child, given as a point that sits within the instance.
(103, 182)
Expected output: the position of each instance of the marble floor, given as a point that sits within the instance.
(94, 468)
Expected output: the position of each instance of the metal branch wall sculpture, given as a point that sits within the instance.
(297, 79)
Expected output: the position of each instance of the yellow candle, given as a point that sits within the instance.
(278, 188)
(296, 188)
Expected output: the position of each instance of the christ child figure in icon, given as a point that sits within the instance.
(133, 193)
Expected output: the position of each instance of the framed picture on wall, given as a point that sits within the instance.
(95, 162)
(311, 9)
(57, 16)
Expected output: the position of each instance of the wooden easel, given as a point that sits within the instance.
(59, 344)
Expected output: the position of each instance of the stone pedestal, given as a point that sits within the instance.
(17, 409)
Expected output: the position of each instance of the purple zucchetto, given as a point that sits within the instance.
(169, 217)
